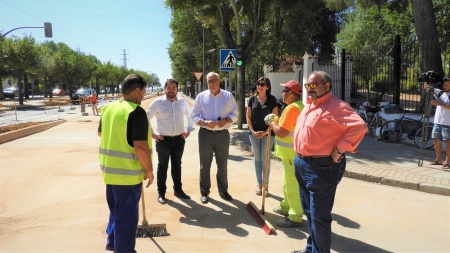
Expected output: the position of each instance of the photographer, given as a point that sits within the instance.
(441, 128)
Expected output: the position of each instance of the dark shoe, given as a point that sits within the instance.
(161, 199)
(109, 248)
(287, 223)
(181, 194)
(301, 251)
(204, 199)
(226, 196)
(277, 210)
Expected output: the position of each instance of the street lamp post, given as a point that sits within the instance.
(203, 64)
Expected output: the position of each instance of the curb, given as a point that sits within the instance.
(411, 185)
(16, 134)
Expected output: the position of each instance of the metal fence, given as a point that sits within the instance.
(386, 73)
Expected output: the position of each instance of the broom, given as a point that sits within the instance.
(252, 209)
(152, 230)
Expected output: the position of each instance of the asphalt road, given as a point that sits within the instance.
(52, 199)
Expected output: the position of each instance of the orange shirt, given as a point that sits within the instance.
(288, 118)
(329, 123)
(93, 98)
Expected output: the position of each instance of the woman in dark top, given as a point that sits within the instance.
(260, 105)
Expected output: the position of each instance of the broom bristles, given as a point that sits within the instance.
(153, 230)
(262, 222)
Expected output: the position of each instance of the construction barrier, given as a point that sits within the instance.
(8, 108)
(51, 103)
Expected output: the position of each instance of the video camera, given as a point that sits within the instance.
(432, 78)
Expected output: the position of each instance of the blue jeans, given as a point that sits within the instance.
(318, 179)
(169, 148)
(123, 203)
(259, 156)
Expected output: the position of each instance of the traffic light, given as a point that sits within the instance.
(239, 53)
(48, 29)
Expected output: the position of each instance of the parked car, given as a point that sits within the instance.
(11, 92)
(83, 92)
(58, 92)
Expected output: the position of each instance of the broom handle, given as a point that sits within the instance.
(266, 169)
(143, 204)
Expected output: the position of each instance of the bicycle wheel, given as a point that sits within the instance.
(428, 142)
(391, 131)
(363, 116)
(376, 124)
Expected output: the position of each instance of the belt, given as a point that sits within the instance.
(215, 131)
(171, 136)
(313, 156)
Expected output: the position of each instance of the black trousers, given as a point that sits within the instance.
(170, 148)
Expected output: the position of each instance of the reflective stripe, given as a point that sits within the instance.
(284, 144)
(119, 154)
(116, 171)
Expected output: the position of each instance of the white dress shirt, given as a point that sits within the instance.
(170, 116)
(207, 106)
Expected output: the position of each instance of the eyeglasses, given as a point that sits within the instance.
(312, 85)
(261, 84)
(212, 80)
(286, 90)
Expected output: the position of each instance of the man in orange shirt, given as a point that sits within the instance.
(284, 148)
(326, 129)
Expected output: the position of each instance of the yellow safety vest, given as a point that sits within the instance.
(284, 147)
(118, 160)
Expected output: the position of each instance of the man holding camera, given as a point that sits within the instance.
(441, 127)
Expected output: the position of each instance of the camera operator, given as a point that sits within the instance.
(441, 128)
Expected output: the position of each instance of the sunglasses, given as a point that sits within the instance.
(261, 84)
(286, 90)
(312, 85)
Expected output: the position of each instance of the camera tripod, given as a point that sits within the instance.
(429, 94)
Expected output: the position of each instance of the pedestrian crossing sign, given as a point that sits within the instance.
(227, 59)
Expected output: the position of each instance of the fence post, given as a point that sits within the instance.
(343, 75)
(397, 69)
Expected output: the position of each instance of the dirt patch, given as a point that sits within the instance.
(5, 129)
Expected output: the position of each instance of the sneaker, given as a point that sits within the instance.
(287, 223)
(277, 210)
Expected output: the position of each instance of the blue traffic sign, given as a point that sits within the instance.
(227, 59)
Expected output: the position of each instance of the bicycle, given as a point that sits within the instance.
(392, 131)
(372, 118)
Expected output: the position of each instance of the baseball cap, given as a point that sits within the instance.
(294, 86)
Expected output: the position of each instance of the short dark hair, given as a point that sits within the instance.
(131, 82)
(170, 80)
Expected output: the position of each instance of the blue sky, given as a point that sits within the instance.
(103, 28)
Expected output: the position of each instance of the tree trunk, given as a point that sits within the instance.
(425, 24)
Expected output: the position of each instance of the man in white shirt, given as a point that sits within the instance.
(214, 110)
(172, 112)
(441, 126)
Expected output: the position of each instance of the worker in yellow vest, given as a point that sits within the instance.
(290, 206)
(125, 161)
